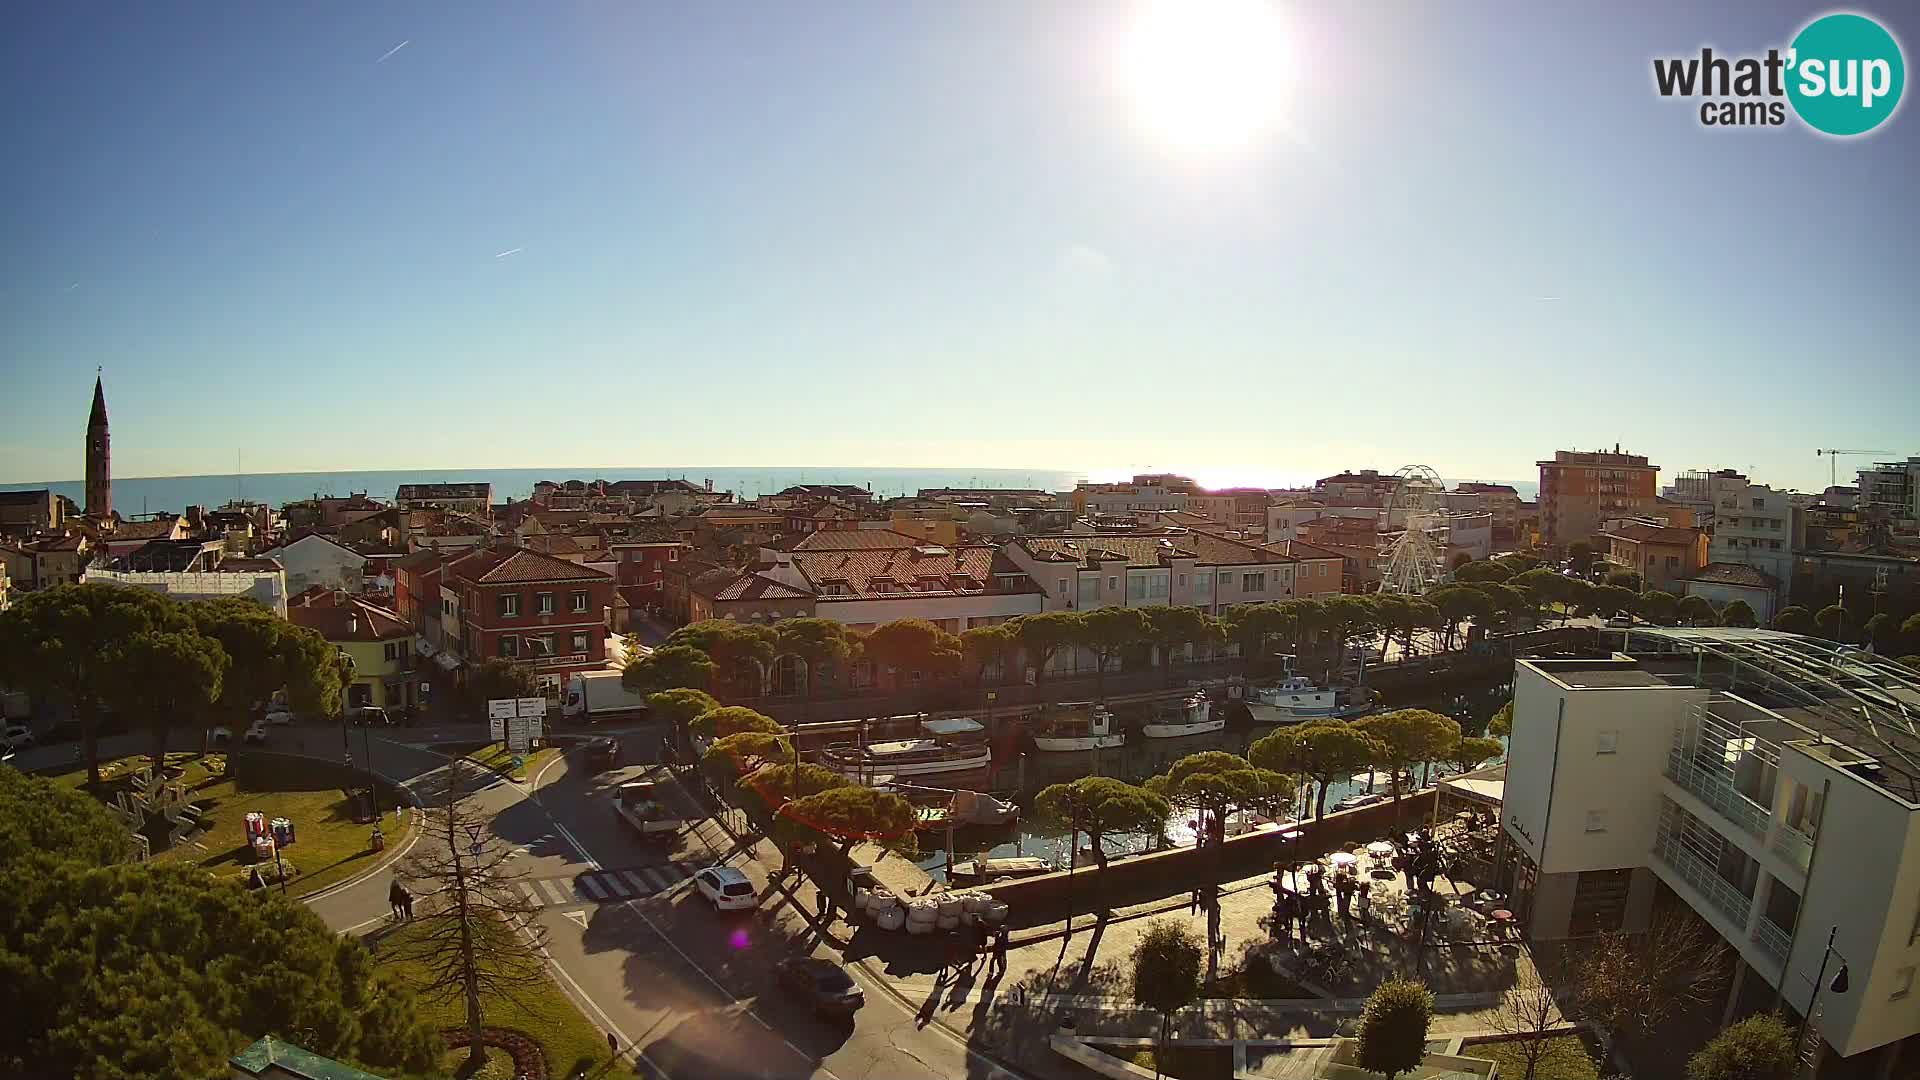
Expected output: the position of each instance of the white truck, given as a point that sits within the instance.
(638, 803)
(596, 697)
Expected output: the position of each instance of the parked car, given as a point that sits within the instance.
(823, 985)
(1355, 802)
(726, 888)
(256, 732)
(368, 716)
(220, 736)
(279, 715)
(1620, 622)
(18, 737)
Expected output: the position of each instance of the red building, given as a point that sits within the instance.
(521, 605)
(640, 565)
(416, 591)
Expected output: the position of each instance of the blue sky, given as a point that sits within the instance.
(886, 233)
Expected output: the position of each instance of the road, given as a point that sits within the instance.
(643, 954)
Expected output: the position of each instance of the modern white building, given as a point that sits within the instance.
(1756, 526)
(1770, 782)
(314, 559)
(269, 587)
(1702, 491)
(1892, 487)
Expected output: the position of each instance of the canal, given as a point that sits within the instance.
(1473, 705)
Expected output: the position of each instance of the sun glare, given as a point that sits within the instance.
(1205, 76)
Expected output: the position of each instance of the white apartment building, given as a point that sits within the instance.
(1770, 782)
(1756, 526)
(1080, 573)
(316, 560)
(1892, 487)
(1702, 491)
(269, 587)
(1158, 491)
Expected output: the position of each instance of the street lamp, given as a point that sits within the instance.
(1837, 986)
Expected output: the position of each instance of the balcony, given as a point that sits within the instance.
(1727, 900)
(1794, 846)
(1717, 793)
(1773, 941)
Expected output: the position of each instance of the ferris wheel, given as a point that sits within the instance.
(1413, 557)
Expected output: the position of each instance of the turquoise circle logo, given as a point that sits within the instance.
(1845, 74)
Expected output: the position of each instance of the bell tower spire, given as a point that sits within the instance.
(99, 455)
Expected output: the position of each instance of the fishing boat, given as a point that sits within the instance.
(1193, 715)
(958, 744)
(1083, 725)
(1296, 698)
(987, 870)
(941, 808)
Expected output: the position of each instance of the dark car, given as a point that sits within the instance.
(822, 984)
(602, 753)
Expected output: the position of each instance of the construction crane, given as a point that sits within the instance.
(1832, 471)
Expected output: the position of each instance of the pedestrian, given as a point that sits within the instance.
(255, 882)
(954, 952)
(613, 1046)
(1366, 901)
(1193, 906)
(1000, 950)
(397, 898)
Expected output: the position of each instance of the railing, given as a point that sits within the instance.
(1718, 794)
(1773, 941)
(1730, 901)
(1794, 846)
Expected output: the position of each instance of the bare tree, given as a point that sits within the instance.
(1528, 1013)
(476, 937)
(1633, 983)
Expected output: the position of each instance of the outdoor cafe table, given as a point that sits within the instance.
(1380, 849)
(1344, 860)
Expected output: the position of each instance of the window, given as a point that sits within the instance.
(1673, 562)
(580, 643)
(1759, 504)
(1113, 584)
(1089, 591)
(673, 554)
(1596, 821)
(539, 644)
(1773, 545)
(1225, 579)
(1060, 586)
(580, 600)
(1253, 583)
(1323, 569)
(1183, 581)
(510, 604)
(1607, 742)
(1203, 583)
(1136, 587)
(543, 603)
(509, 646)
(392, 650)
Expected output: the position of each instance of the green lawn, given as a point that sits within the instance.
(497, 757)
(329, 845)
(548, 1015)
(1566, 1058)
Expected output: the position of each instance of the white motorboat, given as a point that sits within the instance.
(1193, 715)
(954, 745)
(1295, 698)
(985, 870)
(1078, 726)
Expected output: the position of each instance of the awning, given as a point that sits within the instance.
(1488, 785)
(447, 660)
(422, 646)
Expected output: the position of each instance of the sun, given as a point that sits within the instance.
(1205, 76)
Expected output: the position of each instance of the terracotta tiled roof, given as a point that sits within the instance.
(750, 586)
(646, 534)
(1300, 549)
(926, 570)
(69, 542)
(553, 544)
(512, 566)
(856, 540)
(145, 530)
(1656, 534)
(1720, 573)
(339, 617)
(1148, 550)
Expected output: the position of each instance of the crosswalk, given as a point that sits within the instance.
(605, 886)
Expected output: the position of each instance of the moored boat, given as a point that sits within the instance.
(1081, 725)
(1193, 715)
(988, 870)
(953, 745)
(1296, 698)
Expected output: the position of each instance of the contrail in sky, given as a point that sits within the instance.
(509, 251)
(395, 49)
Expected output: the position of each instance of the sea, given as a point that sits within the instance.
(152, 494)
